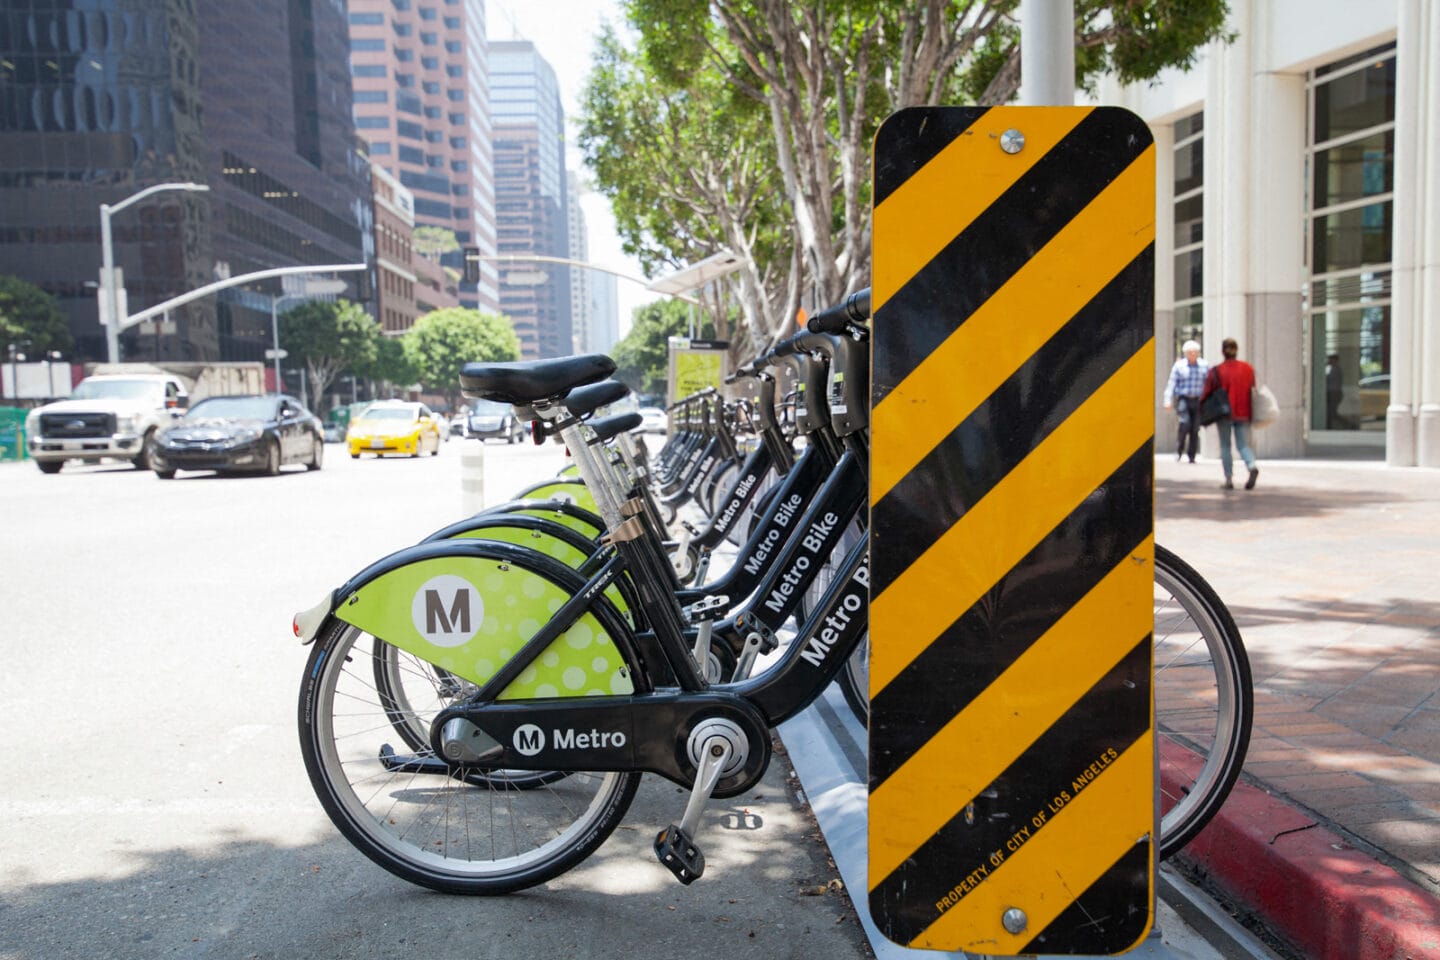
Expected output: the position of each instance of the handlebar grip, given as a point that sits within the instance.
(837, 319)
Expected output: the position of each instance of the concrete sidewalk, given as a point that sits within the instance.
(1332, 571)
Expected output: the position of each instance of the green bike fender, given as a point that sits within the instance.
(468, 606)
(574, 491)
(536, 533)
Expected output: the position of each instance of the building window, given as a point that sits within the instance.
(405, 79)
(372, 123)
(405, 56)
(1189, 210)
(429, 39)
(381, 149)
(410, 131)
(366, 45)
(367, 19)
(430, 86)
(412, 155)
(427, 13)
(1349, 216)
(372, 96)
(403, 29)
(430, 63)
(368, 70)
(454, 71)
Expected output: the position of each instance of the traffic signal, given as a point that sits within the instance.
(472, 264)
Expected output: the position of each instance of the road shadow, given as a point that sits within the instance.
(1196, 500)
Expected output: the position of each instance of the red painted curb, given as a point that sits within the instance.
(1330, 900)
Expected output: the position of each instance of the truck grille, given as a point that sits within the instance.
(67, 426)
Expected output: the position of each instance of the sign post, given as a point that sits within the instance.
(1012, 804)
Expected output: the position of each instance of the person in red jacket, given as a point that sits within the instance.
(1236, 378)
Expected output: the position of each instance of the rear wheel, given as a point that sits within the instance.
(365, 714)
(49, 466)
(317, 454)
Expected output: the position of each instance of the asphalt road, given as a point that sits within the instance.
(157, 806)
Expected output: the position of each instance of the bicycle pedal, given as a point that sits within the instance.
(680, 854)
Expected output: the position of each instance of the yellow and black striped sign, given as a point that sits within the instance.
(1012, 799)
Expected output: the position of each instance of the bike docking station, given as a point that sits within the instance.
(1012, 800)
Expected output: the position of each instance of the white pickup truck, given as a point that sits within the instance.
(105, 416)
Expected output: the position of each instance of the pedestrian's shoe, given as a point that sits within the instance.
(1228, 484)
(1254, 475)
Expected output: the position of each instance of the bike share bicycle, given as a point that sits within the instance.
(543, 703)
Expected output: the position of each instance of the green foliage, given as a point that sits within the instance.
(29, 317)
(390, 365)
(443, 341)
(328, 338)
(642, 357)
(799, 89)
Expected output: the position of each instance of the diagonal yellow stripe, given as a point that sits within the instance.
(1006, 523)
(993, 343)
(931, 788)
(936, 204)
(1057, 865)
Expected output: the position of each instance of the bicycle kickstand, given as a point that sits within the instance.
(675, 845)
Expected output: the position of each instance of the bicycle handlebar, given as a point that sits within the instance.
(839, 318)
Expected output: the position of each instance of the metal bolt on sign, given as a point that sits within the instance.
(1012, 141)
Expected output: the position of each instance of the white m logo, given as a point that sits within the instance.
(529, 739)
(447, 610)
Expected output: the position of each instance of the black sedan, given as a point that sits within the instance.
(491, 418)
(251, 433)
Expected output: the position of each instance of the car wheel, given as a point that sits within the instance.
(49, 466)
(272, 459)
(165, 473)
(317, 454)
(143, 460)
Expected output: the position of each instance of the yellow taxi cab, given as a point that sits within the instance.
(394, 426)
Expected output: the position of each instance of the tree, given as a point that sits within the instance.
(328, 338)
(432, 243)
(443, 341)
(687, 163)
(28, 315)
(390, 364)
(827, 72)
(642, 358)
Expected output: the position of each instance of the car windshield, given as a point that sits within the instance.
(233, 408)
(389, 413)
(489, 408)
(117, 390)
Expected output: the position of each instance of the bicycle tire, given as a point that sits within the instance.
(468, 832)
(1204, 700)
(1187, 613)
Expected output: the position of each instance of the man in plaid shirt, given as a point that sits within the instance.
(1187, 382)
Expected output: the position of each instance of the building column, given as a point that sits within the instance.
(1254, 222)
(1164, 135)
(1412, 421)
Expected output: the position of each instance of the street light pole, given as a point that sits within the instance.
(109, 289)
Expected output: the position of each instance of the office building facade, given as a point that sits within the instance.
(1298, 171)
(531, 205)
(422, 108)
(99, 100)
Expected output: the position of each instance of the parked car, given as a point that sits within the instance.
(491, 418)
(653, 420)
(394, 426)
(251, 433)
(1374, 397)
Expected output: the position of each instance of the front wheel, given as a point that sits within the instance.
(144, 459)
(272, 459)
(317, 455)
